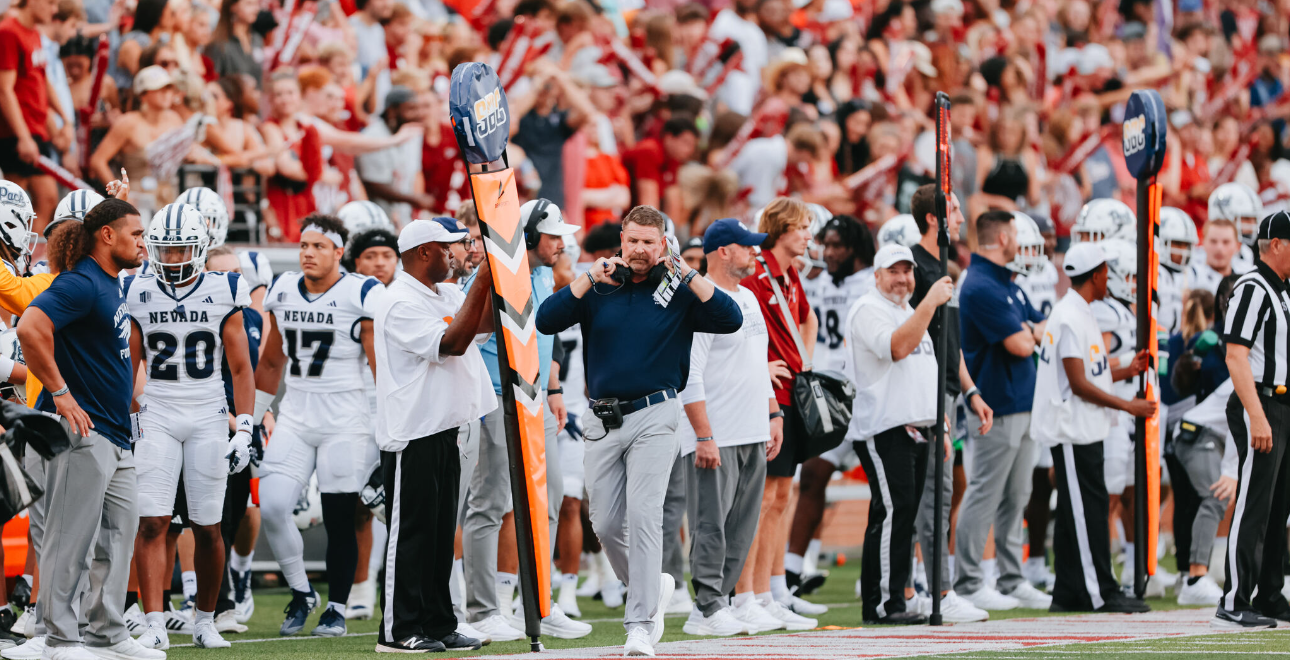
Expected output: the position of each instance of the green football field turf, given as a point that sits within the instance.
(263, 641)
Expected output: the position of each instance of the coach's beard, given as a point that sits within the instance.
(899, 299)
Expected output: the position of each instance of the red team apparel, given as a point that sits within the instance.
(21, 51)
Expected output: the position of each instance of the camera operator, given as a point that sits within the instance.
(638, 355)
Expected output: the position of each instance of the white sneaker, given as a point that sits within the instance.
(666, 587)
(611, 594)
(791, 621)
(20, 624)
(804, 607)
(498, 629)
(756, 618)
(558, 624)
(126, 649)
(680, 602)
(226, 622)
(1037, 574)
(76, 652)
(988, 598)
(590, 586)
(468, 630)
(638, 643)
(922, 604)
(1285, 591)
(362, 600)
(154, 637)
(177, 623)
(1031, 598)
(1204, 592)
(957, 610)
(134, 621)
(721, 624)
(32, 650)
(568, 602)
(205, 636)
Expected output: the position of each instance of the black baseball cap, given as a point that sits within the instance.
(1276, 225)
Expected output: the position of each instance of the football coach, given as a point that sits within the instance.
(638, 358)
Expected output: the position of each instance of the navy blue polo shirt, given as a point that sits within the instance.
(91, 346)
(991, 309)
(253, 322)
(634, 346)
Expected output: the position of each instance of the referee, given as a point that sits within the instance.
(1258, 415)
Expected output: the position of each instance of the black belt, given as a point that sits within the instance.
(637, 405)
(1277, 391)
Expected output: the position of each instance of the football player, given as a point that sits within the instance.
(184, 321)
(1177, 241)
(321, 331)
(1244, 208)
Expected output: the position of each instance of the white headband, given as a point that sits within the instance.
(331, 235)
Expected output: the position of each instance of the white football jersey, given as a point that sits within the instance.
(1115, 318)
(832, 302)
(1243, 262)
(182, 341)
(320, 333)
(1201, 276)
(1169, 291)
(1041, 288)
(256, 269)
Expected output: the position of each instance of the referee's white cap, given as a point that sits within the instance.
(1082, 258)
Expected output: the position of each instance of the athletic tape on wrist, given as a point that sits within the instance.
(262, 402)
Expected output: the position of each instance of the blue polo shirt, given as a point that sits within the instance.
(91, 346)
(991, 309)
(634, 346)
(543, 282)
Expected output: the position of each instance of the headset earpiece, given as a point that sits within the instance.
(530, 228)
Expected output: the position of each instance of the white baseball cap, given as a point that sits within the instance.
(151, 79)
(892, 254)
(420, 232)
(1082, 258)
(550, 222)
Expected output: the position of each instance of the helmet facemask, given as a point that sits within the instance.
(177, 262)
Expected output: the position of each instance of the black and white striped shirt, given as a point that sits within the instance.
(1258, 317)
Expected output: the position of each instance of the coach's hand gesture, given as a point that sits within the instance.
(79, 420)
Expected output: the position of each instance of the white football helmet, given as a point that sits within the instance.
(177, 240)
(16, 216)
(901, 230)
(363, 214)
(1122, 268)
(1177, 238)
(1030, 258)
(211, 206)
(1101, 219)
(75, 205)
(1236, 202)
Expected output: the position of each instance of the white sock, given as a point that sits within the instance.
(764, 599)
(190, 583)
(239, 563)
(568, 582)
(456, 587)
(779, 587)
(339, 607)
(380, 536)
(607, 573)
(988, 569)
(743, 599)
(1035, 563)
(157, 619)
(793, 562)
(507, 580)
(951, 562)
(204, 617)
(813, 548)
(1128, 550)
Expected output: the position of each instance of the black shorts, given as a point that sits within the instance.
(13, 166)
(791, 453)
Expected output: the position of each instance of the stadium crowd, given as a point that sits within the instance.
(769, 165)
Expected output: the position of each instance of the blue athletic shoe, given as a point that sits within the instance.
(302, 603)
(330, 624)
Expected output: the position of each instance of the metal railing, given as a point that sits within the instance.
(247, 189)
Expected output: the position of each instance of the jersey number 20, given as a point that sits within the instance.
(320, 340)
(199, 355)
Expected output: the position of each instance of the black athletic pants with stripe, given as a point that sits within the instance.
(421, 485)
(896, 465)
(1081, 532)
(1257, 540)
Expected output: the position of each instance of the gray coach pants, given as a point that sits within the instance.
(673, 514)
(490, 499)
(1202, 460)
(997, 493)
(628, 470)
(724, 504)
(91, 506)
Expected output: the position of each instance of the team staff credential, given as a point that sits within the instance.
(631, 426)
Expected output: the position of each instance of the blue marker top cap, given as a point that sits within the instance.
(1145, 130)
(480, 115)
